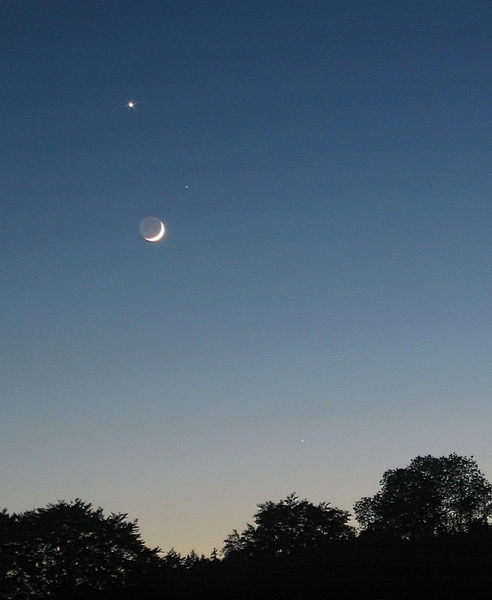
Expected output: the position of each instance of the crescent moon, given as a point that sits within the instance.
(159, 236)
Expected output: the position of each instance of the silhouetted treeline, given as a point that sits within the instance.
(425, 534)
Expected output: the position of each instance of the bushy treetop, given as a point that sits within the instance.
(287, 527)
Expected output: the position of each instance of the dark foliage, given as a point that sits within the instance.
(289, 527)
(454, 567)
(431, 497)
(425, 535)
(70, 550)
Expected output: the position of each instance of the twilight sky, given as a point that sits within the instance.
(324, 172)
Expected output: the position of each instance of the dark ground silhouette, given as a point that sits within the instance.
(425, 534)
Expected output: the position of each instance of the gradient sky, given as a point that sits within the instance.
(324, 171)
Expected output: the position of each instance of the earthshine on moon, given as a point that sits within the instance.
(152, 229)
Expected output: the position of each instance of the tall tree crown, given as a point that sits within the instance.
(430, 497)
(288, 526)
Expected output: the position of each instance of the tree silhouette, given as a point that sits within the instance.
(288, 527)
(71, 550)
(172, 559)
(10, 582)
(431, 496)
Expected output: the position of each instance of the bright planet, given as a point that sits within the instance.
(152, 229)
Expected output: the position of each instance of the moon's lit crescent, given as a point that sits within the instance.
(159, 236)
